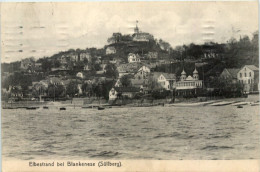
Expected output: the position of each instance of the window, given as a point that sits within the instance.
(248, 81)
(240, 75)
(250, 74)
(245, 74)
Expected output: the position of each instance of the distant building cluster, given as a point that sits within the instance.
(131, 72)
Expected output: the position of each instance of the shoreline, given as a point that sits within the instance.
(25, 104)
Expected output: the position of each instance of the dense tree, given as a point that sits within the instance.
(97, 90)
(106, 87)
(153, 84)
(115, 38)
(84, 86)
(72, 89)
(18, 79)
(56, 63)
(55, 91)
(46, 64)
(126, 38)
(111, 71)
(126, 81)
(164, 45)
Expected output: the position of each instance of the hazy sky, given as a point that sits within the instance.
(42, 29)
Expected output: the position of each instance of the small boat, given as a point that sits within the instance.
(62, 108)
(101, 108)
(45, 107)
(255, 104)
(239, 106)
(188, 104)
(240, 103)
(224, 103)
(87, 107)
(10, 108)
(31, 108)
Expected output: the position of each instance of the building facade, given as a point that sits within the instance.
(143, 73)
(126, 92)
(249, 77)
(110, 50)
(166, 80)
(132, 58)
(188, 85)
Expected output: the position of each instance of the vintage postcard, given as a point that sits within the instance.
(130, 86)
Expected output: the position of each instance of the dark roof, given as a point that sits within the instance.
(166, 75)
(127, 89)
(137, 82)
(233, 72)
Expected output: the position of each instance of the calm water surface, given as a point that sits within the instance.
(132, 133)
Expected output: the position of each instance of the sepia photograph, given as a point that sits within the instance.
(94, 84)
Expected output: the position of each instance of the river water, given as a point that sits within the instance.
(169, 133)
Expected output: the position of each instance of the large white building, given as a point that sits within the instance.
(188, 85)
(249, 77)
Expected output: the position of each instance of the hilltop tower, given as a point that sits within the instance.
(136, 30)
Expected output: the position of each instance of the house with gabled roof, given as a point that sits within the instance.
(143, 72)
(166, 80)
(127, 92)
(110, 50)
(229, 75)
(133, 58)
(249, 77)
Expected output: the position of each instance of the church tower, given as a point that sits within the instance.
(136, 30)
(195, 74)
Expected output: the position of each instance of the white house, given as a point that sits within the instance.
(80, 75)
(110, 50)
(166, 80)
(142, 73)
(85, 55)
(144, 69)
(118, 83)
(132, 58)
(128, 92)
(249, 77)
